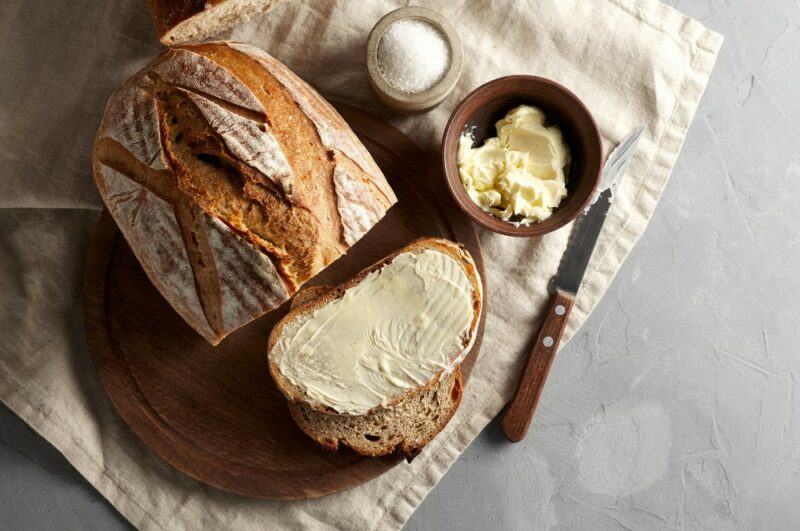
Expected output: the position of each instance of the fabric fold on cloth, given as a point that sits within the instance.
(632, 62)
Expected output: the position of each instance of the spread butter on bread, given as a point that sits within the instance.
(357, 363)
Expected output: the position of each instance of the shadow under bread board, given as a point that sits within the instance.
(214, 412)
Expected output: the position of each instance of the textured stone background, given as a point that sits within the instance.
(677, 405)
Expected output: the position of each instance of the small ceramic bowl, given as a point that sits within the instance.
(396, 99)
(487, 104)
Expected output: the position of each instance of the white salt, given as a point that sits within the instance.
(413, 55)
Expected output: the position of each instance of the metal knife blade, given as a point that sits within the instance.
(618, 161)
(584, 235)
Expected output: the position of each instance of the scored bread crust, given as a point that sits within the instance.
(456, 251)
(404, 429)
(225, 187)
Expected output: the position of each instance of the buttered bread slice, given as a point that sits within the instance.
(394, 329)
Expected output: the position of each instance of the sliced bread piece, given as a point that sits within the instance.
(405, 428)
(392, 331)
(193, 21)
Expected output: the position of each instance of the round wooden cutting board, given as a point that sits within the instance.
(214, 412)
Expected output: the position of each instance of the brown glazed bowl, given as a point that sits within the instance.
(487, 104)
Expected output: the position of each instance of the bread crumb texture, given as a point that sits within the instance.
(193, 21)
(404, 429)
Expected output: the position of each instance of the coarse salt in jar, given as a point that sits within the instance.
(413, 55)
(414, 59)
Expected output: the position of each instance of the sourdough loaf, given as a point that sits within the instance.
(192, 21)
(232, 180)
(387, 366)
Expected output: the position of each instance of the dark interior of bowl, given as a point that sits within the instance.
(481, 110)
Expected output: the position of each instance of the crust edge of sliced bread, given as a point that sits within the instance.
(333, 432)
(456, 251)
(192, 23)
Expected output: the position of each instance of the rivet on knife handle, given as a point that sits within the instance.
(517, 417)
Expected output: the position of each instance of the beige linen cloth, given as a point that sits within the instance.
(631, 61)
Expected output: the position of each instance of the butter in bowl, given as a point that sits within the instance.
(519, 175)
(522, 155)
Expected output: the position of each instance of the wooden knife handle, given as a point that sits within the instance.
(517, 417)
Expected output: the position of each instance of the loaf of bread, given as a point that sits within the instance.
(232, 180)
(392, 331)
(193, 21)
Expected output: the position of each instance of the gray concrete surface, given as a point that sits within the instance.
(678, 403)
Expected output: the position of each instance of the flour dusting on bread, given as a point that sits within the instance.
(357, 207)
(132, 120)
(149, 225)
(190, 70)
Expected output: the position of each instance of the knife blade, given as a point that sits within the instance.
(584, 235)
(517, 417)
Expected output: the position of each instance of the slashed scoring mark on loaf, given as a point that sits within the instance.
(333, 131)
(237, 262)
(253, 143)
(160, 183)
(357, 207)
(132, 120)
(156, 240)
(198, 249)
(201, 259)
(184, 68)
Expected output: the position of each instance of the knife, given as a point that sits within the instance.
(516, 418)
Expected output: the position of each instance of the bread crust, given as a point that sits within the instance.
(167, 14)
(171, 16)
(456, 251)
(223, 186)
